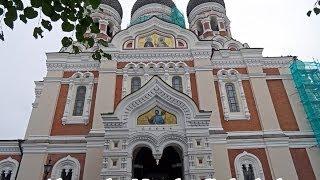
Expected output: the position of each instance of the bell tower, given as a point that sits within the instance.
(109, 17)
(207, 18)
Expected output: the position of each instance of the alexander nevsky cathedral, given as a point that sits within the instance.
(173, 102)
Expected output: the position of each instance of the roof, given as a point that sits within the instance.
(194, 3)
(139, 3)
(115, 4)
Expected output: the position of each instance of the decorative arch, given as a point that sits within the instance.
(68, 163)
(8, 166)
(247, 159)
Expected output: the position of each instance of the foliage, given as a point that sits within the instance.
(316, 9)
(74, 14)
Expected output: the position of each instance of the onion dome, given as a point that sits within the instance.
(194, 3)
(140, 3)
(115, 4)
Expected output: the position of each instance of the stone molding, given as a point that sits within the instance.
(246, 158)
(9, 165)
(66, 163)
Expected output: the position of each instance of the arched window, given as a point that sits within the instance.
(232, 97)
(8, 169)
(135, 84)
(214, 24)
(199, 28)
(177, 83)
(248, 167)
(110, 30)
(79, 101)
(67, 168)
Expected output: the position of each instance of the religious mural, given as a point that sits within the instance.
(157, 116)
(156, 41)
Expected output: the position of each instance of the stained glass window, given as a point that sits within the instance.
(79, 102)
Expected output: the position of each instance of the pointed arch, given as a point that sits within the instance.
(250, 161)
(67, 164)
(8, 167)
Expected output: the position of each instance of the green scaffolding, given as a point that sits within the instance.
(176, 17)
(306, 76)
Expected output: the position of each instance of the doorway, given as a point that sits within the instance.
(170, 166)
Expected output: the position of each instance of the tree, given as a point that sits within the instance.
(316, 9)
(74, 14)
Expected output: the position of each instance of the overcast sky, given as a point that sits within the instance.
(279, 26)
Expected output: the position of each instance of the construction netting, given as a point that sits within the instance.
(176, 17)
(306, 76)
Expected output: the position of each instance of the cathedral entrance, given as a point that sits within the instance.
(169, 167)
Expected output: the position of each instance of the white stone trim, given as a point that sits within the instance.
(8, 165)
(246, 159)
(66, 163)
(233, 76)
(78, 79)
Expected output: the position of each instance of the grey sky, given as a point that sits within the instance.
(279, 26)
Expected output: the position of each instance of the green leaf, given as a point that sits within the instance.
(96, 55)
(47, 9)
(11, 13)
(19, 4)
(309, 13)
(95, 3)
(66, 41)
(90, 42)
(94, 28)
(55, 17)
(36, 3)
(30, 13)
(316, 10)
(67, 27)
(103, 42)
(76, 49)
(1, 11)
(8, 22)
(46, 24)
(58, 7)
(37, 32)
(108, 56)
(23, 18)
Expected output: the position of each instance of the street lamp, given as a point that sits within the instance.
(47, 169)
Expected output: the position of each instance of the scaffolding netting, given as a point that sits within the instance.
(306, 76)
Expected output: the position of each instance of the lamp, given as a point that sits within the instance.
(47, 169)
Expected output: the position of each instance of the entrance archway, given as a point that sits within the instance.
(169, 167)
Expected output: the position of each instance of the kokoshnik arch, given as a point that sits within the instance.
(172, 103)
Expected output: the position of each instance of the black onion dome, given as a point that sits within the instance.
(194, 3)
(139, 3)
(115, 4)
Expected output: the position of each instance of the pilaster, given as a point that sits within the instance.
(267, 113)
(31, 166)
(42, 115)
(105, 93)
(314, 157)
(295, 101)
(207, 92)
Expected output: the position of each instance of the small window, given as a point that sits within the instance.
(198, 142)
(199, 28)
(200, 160)
(214, 24)
(114, 163)
(110, 30)
(66, 174)
(79, 102)
(248, 172)
(135, 84)
(116, 144)
(177, 83)
(232, 97)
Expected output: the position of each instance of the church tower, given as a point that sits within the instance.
(207, 18)
(109, 17)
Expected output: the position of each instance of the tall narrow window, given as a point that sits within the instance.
(6, 176)
(79, 102)
(177, 83)
(135, 84)
(232, 97)
(66, 174)
(199, 28)
(214, 24)
(248, 172)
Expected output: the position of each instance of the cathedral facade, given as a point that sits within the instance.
(171, 103)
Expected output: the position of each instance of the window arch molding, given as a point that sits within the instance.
(232, 76)
(77, 80)
(9, 165)
(246, 159)
(67, 163)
